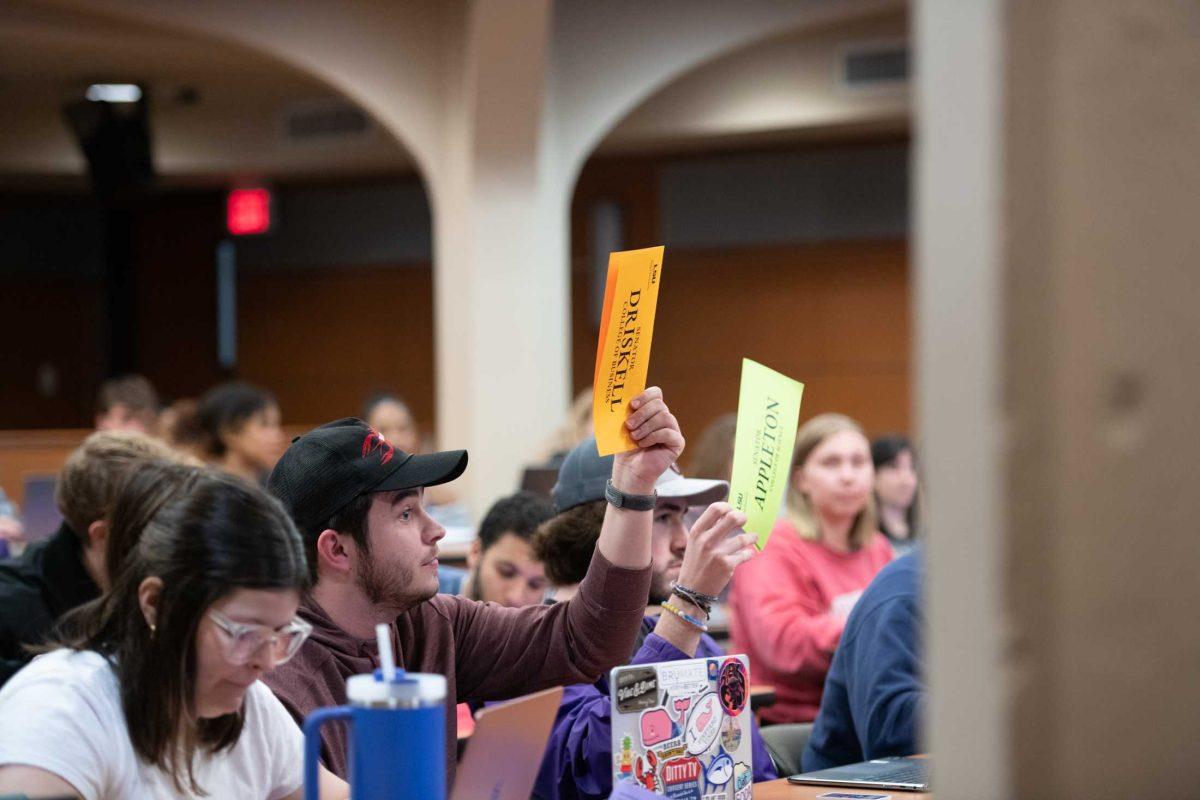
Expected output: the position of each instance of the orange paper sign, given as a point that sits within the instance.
(623, 350)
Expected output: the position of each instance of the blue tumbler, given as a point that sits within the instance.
(397, 737)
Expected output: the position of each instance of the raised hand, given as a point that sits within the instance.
(712, 552)
(659, 444)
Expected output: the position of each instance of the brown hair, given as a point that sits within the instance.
(132, 391)
(799, 510)
(219, 536)
(88, 482)
(146, 489)
(712, 456)
(565, 543)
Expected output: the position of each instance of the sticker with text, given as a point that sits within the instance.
(637, 689)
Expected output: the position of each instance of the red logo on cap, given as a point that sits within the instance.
(375, 441)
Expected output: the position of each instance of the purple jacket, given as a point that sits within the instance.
(578, 762)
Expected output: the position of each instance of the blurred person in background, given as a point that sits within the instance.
(179, 426)
(68, 569)
(154, 690)
(789, 605)
(501, 566)
(392, 417)
(896, 490)
(875, 694)
(713, 454)
(242, 430)
(127, 403)
(11, 529)
(578, 760)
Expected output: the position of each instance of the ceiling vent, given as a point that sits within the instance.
(322, 121)
(876, 65)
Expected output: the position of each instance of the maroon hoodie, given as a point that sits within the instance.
(486, 652)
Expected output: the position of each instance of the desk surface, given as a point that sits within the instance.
(782, 790)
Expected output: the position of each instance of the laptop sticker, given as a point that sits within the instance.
(681, 778)
(732, 687)
(720, 770)
(703, 724)
(637, 690)
(657, 727)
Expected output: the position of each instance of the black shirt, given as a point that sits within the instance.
(45, 582)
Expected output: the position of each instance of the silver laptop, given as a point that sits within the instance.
(682, 728)
(904, 774)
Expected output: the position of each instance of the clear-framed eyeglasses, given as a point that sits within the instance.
(244, 641)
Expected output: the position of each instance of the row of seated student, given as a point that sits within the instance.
(664, 543)
(153, 688)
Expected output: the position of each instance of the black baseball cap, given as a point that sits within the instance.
(329, 466)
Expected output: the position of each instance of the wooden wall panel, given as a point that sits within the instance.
(50, 320)
(323, 339)
(834, 316)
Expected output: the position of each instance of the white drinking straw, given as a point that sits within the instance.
(387, 661)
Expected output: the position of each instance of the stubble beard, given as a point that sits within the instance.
(390, 587)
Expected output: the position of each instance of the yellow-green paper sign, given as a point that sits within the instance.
(768, 411)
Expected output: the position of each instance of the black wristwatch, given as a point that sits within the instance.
(632, 502)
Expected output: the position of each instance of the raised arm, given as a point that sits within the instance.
(625, 536)
(505, 652)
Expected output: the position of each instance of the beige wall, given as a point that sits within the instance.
(1056, 276)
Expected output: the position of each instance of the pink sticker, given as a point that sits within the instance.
(656, 727)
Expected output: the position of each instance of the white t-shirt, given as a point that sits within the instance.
(62, 713)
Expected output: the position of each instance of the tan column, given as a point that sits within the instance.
(500, 228)
(1070, 539)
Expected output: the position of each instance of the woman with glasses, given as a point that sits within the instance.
(155, 690)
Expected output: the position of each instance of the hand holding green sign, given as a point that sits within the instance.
(768, 412)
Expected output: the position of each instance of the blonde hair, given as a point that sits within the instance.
(799, 510)
(87, 486)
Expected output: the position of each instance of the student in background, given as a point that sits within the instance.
(394, 420)
(65, 571)
(391, 416)
(874, 694)
(154, 692)
(578, 761)
(241, 425)
(712, 455)
(127, 403)
(896, 490)
(11, 529)
(789, 605)
(501, 566)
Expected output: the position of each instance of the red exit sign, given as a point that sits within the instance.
(248, 211)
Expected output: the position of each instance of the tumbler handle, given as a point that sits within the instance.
(312, 745)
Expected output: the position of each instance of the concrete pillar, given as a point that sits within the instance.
(1058, 178)
(500, 237)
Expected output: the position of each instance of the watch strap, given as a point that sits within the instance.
(632, 502)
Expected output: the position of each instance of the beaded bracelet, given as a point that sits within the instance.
(688, 618)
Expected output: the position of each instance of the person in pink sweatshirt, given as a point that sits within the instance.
(788, 605)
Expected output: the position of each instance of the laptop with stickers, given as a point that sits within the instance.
(681, 728)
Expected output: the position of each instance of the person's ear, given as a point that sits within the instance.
(335, 552)
(149, 592)
(474, 552)
(97, 535)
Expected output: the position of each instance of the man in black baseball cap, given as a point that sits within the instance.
(357, 501)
